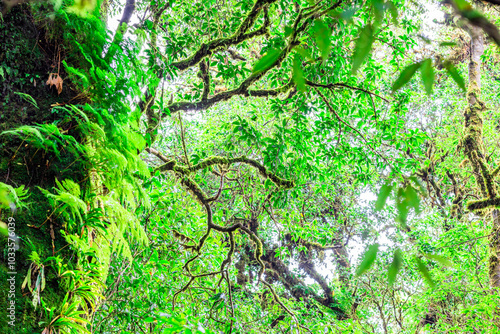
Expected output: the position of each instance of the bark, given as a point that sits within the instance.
(494, 244)
(475, 151)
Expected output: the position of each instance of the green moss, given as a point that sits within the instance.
(483, 204)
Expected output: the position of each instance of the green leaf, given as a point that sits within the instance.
(149, 319)
(412, 198)
(298, 74)
(402, 206)
(217, 296)
(82, 7)
(322, 34)
(304, 53)
(384, 193)
(266, 61)
(447, 44)
(362, 48)
(28, 98)
(42, 274)
(395, 266)
(4, 229)
(438, 258)
(424, 271)
(427, 75)
(393, 10)
(452, 71)
(27, 280)
(368, 259)
(378, 8)
(405, 76)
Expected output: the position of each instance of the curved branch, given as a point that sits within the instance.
(207, 49)
(171, 165)
(343, 85)
(350, 127)
(483, 204)
(241, 90)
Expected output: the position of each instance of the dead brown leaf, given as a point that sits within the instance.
(55, 80)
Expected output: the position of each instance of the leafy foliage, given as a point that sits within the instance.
(212, 167)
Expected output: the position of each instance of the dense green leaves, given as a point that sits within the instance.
(218, 163)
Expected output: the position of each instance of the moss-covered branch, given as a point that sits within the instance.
(207, 49)
(205, 77)
(171, 165)
(483, 204)
(495, 172)
(301, 23)
(241, 90)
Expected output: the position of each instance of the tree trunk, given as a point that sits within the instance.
(475, 151)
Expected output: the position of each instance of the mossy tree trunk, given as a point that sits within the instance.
(475, 152)
(27, 56)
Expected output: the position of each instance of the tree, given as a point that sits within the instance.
(205, 168)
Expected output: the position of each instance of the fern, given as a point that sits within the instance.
(67, 200)
(28, 98)
(11, 197)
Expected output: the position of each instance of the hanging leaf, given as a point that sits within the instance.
(82, 7)
(42, 274)
(391, 7)
(384, 193)
(56, 81)
(378, 9)
(424, 271)
(412, 198)
(266, 61)
(28, 98)
(427, 75)
(395, 266)
(304, 53)
(405, 76)
(298, 74)
(322, 34)
(4, 229)
(441, 260)
(402, 206)
(447, 44)
(452, 70)
(362, 48)
(368, 259)
(27, 280)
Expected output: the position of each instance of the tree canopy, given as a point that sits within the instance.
(253, 166)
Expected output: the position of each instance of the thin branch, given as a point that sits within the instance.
(349, 126)
(343, 85)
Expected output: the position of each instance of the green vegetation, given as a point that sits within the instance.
(254, 166)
